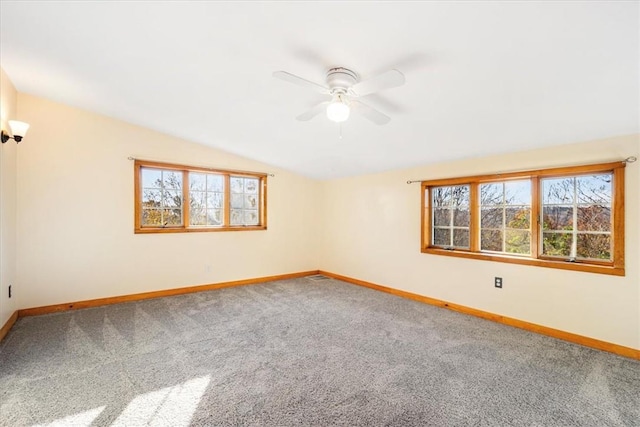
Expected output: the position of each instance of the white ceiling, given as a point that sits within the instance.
(482, 77)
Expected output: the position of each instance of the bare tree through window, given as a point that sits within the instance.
(576, 216)
(569, 217)
(451, 216)
(206, 197)
(161, 197)
(505, 217)
(171, 198)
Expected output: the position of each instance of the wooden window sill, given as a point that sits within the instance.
(563, 265)
(195, 229)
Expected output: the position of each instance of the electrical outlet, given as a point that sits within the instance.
(9, 291)
(498, 282)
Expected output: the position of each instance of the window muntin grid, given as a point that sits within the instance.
(450, 216)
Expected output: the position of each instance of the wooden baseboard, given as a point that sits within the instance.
(532, 327)
(7, 326)
(35, 311)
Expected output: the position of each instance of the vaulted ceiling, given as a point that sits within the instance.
(481, 77)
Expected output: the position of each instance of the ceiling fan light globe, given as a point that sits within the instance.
(338, 112)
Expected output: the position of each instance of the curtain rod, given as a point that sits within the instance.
(629, 159)
(202, 167)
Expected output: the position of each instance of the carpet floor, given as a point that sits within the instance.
(302, 352)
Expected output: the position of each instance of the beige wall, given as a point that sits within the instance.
(76, 241)
(372, 232)
(8, 104)
(75, 204)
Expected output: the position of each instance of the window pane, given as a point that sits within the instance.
(518, 241)
(518, 217)
(594, 218)
(491, 217)
(237, 184)
(594, 189)
(197, 200)
(517, 192)
(245, 201)
(172, 199)
(151, 178)
(251, 217)
(558, 190)
(151, 217)
(237, 201)
(461, 217)
(172, 180)
(506, 206)
(491, 194)
(460, 195)
(596, 246)
(215, 183)
(236, 216)
(214, 200)
(461, 238)
(197, 181)
(556, 244)
(491, 240)
(251, 201)
(442, 237)
(557, 218)
(151, 198)
(441, 196)
(214, 217)
(251, 185)
(207, 205)
(442, 217)
(172, 216)
(197, 217)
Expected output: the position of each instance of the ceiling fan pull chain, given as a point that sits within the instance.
(340, 130)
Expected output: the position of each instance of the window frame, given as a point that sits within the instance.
(452, 207)
(185, 227)
(503, 206)
(536, 258)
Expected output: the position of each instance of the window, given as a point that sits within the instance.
(505, 217)
(161, 197)
(576, 217)
(569, 218)
(177, 198)
(451, 216)
(244, 201)
(206, 199)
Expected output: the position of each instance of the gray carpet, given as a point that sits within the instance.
(302, 352)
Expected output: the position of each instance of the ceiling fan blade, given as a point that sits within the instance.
(370, 113)
(314, 111)
(386, 80)
(292, 78)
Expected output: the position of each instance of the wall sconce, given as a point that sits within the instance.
(18, 130)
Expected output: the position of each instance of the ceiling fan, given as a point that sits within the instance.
(344, 88)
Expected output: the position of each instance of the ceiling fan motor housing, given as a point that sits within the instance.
(341, 79)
